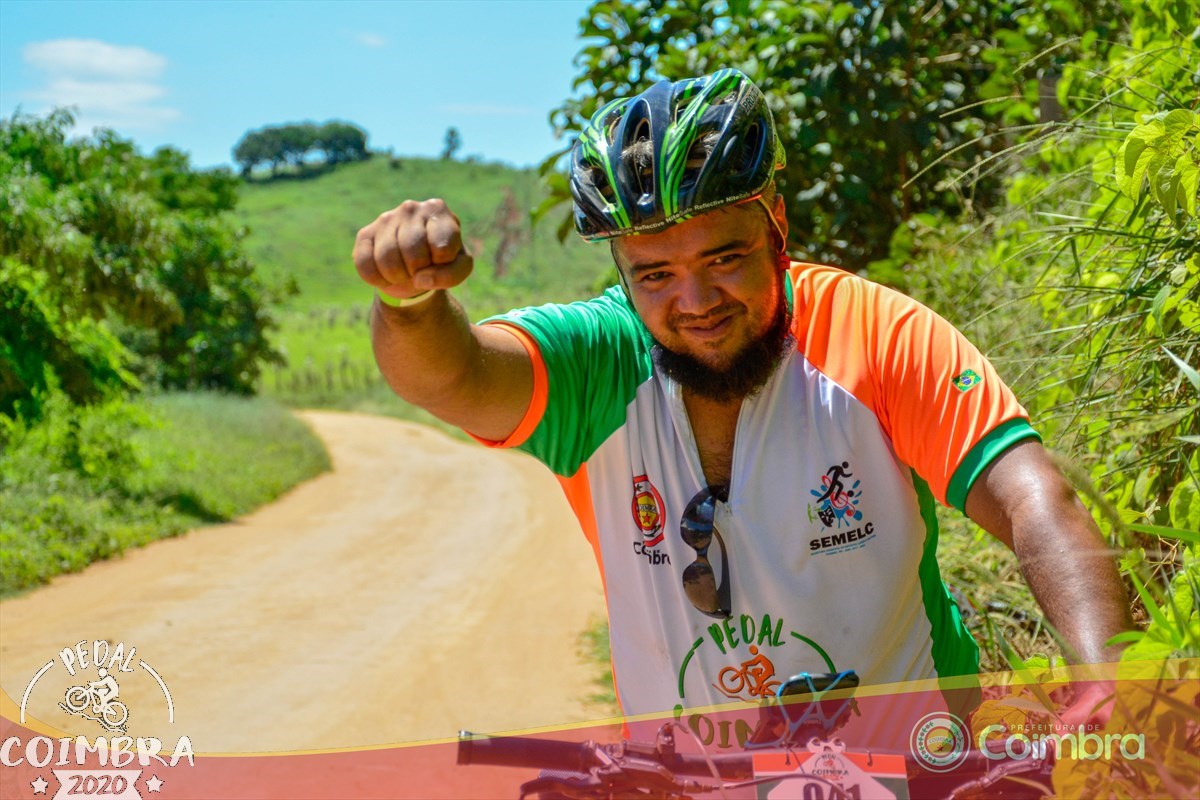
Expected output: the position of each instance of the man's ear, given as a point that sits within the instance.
(780, 214)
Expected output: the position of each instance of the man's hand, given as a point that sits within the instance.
(476, 377)
(1091, 705)
(413, 248)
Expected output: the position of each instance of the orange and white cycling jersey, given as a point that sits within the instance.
(828, 534)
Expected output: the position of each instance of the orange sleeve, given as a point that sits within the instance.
(541, 391)
(935, 395)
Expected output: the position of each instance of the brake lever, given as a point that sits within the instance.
(572, 786)
(1011, 772)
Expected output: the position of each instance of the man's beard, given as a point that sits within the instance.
(749, 369)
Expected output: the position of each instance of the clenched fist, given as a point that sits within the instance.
(415, 247)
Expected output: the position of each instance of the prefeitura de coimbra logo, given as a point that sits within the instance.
(649, 515)
(939, 742)
(95, 672)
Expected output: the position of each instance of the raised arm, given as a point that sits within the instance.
(478, 378)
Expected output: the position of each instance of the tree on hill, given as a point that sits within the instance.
(342, 142)
(119, 270)
(276, 145)
(297, 141)
(452, 145)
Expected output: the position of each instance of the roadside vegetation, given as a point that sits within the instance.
(87, 483)
(121, 286)
(143, 305)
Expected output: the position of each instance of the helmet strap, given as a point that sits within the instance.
(783, 256)
(612, 248)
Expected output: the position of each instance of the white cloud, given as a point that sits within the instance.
(371, 40)
(485, 110)
(93, 58)
(110, 85)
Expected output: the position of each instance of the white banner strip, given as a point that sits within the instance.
(103, 784)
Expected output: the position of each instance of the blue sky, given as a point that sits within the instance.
(197, 74)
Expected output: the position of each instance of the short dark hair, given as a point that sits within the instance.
(639, 154)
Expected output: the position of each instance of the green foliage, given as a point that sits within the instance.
(596, 650)
(1164, 151)
(882, 107)
(41, 345)
(85, 483)
(251, 451)
(1083, 290)
(339, 142)
(220, 340)
(117, 268)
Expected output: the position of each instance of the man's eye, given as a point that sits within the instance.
(728, 258)
(653, 277)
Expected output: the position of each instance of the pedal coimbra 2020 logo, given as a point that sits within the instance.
(112, 764)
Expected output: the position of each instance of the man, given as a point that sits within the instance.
(752, 446)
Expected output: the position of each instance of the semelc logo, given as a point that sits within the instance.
(96, 701)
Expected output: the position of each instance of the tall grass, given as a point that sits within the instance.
(86, 483)
(1082, 290)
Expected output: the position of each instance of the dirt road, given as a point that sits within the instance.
(422, 586)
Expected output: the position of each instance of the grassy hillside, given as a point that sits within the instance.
(303, 229)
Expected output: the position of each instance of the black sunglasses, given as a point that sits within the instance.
(697, 529)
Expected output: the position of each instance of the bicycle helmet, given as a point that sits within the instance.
(671, 152)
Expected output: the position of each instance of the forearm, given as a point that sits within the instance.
(424, 351)
(478, 378)
(1073, 575)
(1023, 500)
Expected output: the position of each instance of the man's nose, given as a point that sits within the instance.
(698, 295)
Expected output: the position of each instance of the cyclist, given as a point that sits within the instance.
(799, 417)
(103, 690)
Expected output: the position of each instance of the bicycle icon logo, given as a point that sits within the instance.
(756, 675)
(99, 697)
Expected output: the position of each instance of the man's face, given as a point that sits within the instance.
(710, 291)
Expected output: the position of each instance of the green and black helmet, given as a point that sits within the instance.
(671, 152)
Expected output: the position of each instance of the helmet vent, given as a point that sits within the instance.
(606, 190)
(596, 177)
(751, 149)
(696, 156)
(642, 132)
(639, 159)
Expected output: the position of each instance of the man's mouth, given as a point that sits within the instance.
(708, 329)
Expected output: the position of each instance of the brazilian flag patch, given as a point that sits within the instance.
(967, 381)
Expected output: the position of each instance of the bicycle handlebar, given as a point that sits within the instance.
(515, 751)
(594, 770)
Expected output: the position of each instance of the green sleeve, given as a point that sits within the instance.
(983, 453)
(596, 354)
